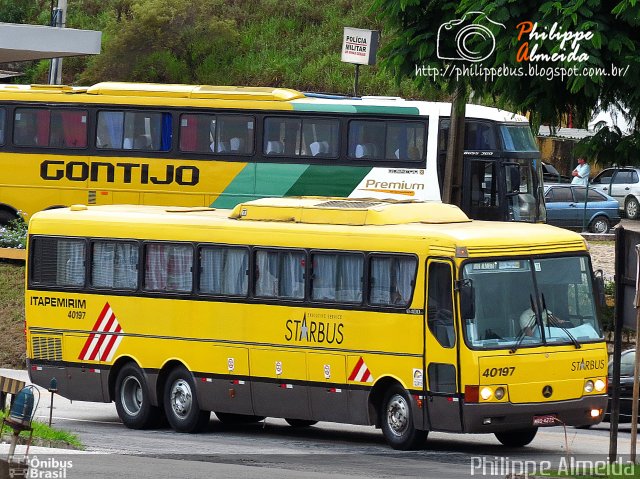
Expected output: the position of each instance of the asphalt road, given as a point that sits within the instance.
(274, 449)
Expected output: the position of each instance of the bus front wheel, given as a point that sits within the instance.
(396, 419)
(132, 399)
(518, 438)
(181, 403)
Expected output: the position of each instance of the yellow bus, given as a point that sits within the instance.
(404, 315)
(187, 145)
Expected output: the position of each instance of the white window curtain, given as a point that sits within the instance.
(224, 271)
(380, 281)
(114, 265)
(292, 275)
(70, 263)
(168, 267)
(267, 277)
(404, 272)
(324, 277)
(349, 283)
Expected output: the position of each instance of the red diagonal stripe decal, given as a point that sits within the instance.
(95, 328)
(101, 339)
(354, 373)
(112, 340)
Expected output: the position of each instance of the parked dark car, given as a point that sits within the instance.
(566, 208)
(551, 175)
(626, 385)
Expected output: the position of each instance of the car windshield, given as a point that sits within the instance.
(507, 292)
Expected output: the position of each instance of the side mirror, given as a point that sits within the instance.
(467, 298)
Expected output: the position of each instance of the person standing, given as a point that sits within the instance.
(581, 173)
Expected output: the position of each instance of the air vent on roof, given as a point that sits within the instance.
(348, 204)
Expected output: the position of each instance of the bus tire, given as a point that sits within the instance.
(232, 419)
(396, 420)
(132, 399)
(300, 422)
(181, 403)
(517, 438)
(6, 217)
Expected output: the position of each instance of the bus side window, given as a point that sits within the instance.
(110, 129)
(320, 137)
(235, 134)
(405, 141)
(366, 139)
(168, 267)
(114, 264)
(2, 125)
(280, 274)
(31, 127)
(223, 271)
(337, 277)
(391, 280)
(58, 262)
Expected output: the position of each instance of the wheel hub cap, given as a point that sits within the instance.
(131, 395)
(398, 415)
(181, 398)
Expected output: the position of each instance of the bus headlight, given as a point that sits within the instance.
(588, 386)
(486, 393)
(599, 385)
(499, 394)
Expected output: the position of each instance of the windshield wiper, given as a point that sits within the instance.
(557, 322)
(523, 331)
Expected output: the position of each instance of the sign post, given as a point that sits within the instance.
(359, 47)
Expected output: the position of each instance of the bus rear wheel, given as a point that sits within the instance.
(181, 403)
(300, 422)
(518, 438)
(132, 399)
(396, 419)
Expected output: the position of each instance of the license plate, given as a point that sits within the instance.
(546, 420)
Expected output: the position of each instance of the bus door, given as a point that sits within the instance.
(480, 196)
(443, 403)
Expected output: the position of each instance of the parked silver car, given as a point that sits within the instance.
(624, 185)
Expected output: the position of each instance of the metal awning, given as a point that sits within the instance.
(34, 42)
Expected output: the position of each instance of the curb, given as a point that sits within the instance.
(599, 236)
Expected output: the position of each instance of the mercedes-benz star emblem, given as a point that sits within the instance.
(547, 391)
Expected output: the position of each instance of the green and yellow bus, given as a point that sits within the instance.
(404, 315)
(129, 143)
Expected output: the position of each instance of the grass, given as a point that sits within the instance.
(12, 341)
(47, 434)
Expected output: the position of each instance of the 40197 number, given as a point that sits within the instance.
(76, 314)
(496, 372)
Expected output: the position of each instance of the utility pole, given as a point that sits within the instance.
(58, 19)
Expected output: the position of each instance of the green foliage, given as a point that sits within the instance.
(14, 235)
(44, 432)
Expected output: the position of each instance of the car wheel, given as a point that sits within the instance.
(632, 208)
(396, 420)
(132, 399)
(181, 403)
(518, 438)
(600, 224)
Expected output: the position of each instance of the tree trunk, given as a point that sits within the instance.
(452, 188)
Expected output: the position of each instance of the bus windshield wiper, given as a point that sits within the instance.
(523, 331)
(556, 322)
